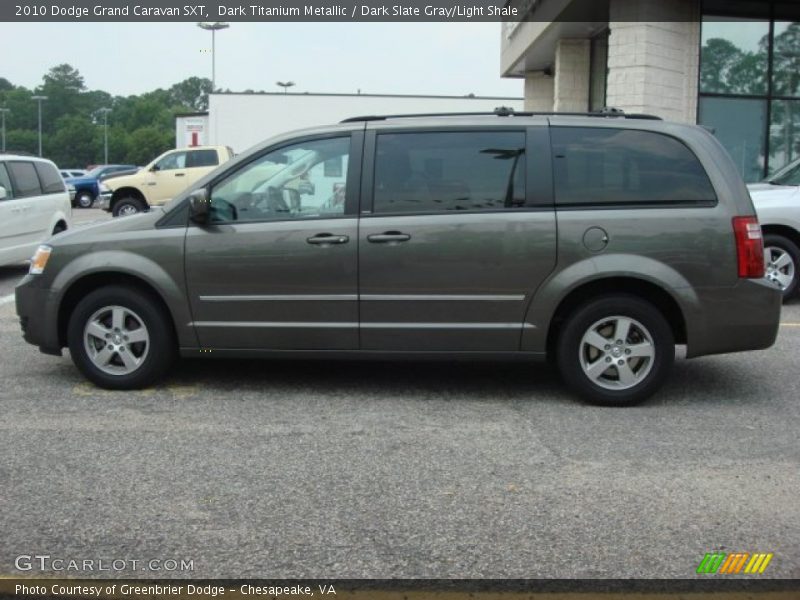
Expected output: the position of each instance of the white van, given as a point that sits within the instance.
(34, 205)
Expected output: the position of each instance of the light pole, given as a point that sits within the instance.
(40, 99)
(285, 85)
(3, 112)
(105, 112)
(213, 28)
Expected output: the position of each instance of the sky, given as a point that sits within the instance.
(377, 58)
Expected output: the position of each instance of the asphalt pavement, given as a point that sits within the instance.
(396, 470)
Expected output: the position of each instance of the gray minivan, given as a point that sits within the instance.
(598, 241)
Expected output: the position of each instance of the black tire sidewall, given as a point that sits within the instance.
(585, 316)
(788, 246)
(162, 344)
(130, 201)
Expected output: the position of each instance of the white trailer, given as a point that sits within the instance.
(242, 120)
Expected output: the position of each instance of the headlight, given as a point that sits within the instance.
(39, 260)
(104, 189)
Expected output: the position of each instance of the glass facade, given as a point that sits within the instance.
(750, 82)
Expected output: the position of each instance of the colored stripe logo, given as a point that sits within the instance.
(734, 563)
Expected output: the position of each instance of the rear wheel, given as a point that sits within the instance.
(128, 206)
(615, 350)
(782, 260)
(120, 338)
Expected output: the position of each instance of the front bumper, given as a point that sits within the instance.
(38, 315)
(103, 201)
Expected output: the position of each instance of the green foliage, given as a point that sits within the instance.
(139, 127)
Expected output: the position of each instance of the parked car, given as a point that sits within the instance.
(87, 188)
(34, 205)
(777, 202)
(599, 242)
(67, 173)
(161, 180)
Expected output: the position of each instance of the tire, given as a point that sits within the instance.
(128, 206)
(84, 199)
(646, 353)
(145, 334)
(782, 260)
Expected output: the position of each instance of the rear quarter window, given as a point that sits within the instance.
(202, 158)
(51, 181)
(26, 181)
(606, 167)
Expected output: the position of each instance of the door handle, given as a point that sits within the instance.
(387, 237)
(324, 239)
(179, 174)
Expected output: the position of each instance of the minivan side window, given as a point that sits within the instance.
(52, 183)
(605, 167)
(25, 178)
(5, 181)
(449, 171)
(302, 181)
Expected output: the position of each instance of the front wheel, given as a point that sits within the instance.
(781, 259)
(84, 200)
(120, 338)
(128, 206)
(615, 350)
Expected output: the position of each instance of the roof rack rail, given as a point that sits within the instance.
(507, 111)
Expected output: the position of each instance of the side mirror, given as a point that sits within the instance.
(154, 168)
(199, 206)
(3, 193)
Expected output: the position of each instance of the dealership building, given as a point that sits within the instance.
(732, 65)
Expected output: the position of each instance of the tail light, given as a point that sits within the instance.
(749, 247)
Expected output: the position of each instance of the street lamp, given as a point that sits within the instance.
(213, 28)
(285, 85)
(3, 112)
(105, 112)
(40, 99)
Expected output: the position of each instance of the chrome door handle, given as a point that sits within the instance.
(323, 239)
(388, 237)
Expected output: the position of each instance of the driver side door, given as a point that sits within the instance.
(167, 178)
(276, 266)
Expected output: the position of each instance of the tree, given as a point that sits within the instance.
(191, 93)
(139, 127)
(64, 77)
(148, 142)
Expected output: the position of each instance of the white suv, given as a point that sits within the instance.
(777, 202)
(34, 205)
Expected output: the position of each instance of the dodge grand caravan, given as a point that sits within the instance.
(598, 242)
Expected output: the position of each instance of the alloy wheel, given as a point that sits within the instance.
(116, 340)
(616, 353)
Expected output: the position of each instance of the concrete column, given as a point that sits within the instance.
(538, 92)
(571, 89)
(653, 57)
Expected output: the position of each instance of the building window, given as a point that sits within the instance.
(750, 82)
(598, 71)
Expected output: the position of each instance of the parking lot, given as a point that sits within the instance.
(401, 470)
